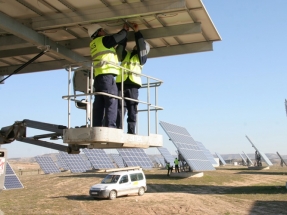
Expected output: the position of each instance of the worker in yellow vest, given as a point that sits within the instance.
(176, 165)
(105, 63)
(132, 60)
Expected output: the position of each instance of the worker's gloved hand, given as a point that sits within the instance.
(126, 27)
(136, 27)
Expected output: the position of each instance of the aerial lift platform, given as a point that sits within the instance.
(87, 136)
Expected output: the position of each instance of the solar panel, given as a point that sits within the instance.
(243, 159)
(282, 160)
(265, 158)
(207, 153)
(118, 160)
(135, 157)
(61, 163)
(248, 160)
(221, 159)
(161, 161)
(47, 164)
(166, 155)
(98, 158)
(75, 162)
(187, 147)
(11, 179)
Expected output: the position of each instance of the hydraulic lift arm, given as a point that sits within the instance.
(18, 132)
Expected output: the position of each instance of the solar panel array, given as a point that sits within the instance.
(243, 159)
(248, 159)
(166, 155)
(118, 160)
(98, 158)
(136, 157)
(265, 158)
(61, 163)
(75, 162)
(11, 179)
(221, 159)
(207, 153)
(47, 164)
(187, 147)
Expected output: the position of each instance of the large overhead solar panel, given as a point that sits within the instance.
(187, 147)
(98, 158)
(166, 155)
(265, 158)
(282, 160)
(61, 163)
(180, 27)
(243, 159)
(136, 157)
(220, 159)
(75, 162)
(118, 160)
(207, 153)
(47, 164)
(11, 179)
(249, 161)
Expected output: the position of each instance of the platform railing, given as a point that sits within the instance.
(151, 82)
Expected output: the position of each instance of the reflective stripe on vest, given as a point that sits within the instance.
(104, 59)
(132, 64)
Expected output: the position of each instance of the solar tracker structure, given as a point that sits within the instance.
(166, 155)
(118, 160)
(207, 153)
(11, 179)
(249, 161)
(187, 147)
(265, 158)
(61, 163)
(47, 164)
(75, 162)
(161, 161)
(282, 160)
(243, 160)
(136, 157)
(98, 158)
(222, 161)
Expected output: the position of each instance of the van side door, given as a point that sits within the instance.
(124, 186)
(136, 181)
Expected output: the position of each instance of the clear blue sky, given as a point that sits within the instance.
(220, 96)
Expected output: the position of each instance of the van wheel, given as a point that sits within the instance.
(141, 191)
(113, 195)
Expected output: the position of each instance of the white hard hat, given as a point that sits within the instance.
(147, 47)
(93, 28)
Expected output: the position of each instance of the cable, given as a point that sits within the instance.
(24, 65)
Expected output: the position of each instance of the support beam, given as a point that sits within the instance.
(21, 46)
(107, 13)
(23, 32)
(35, 67)
(181, 49)
(43, 144)
(155, 52)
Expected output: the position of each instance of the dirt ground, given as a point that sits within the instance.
(224, 191)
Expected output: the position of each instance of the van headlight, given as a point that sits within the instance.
(104, 188)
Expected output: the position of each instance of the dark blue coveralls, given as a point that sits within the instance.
(130, 88)
(105, 105)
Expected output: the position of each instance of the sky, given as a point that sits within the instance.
(237, 89)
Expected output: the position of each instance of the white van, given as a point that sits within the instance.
(126, 181)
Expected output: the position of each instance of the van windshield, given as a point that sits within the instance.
(110, 179)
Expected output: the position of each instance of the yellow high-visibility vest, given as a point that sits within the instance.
(101, 56)
(134, 65)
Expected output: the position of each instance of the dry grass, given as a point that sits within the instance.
(225, 191)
